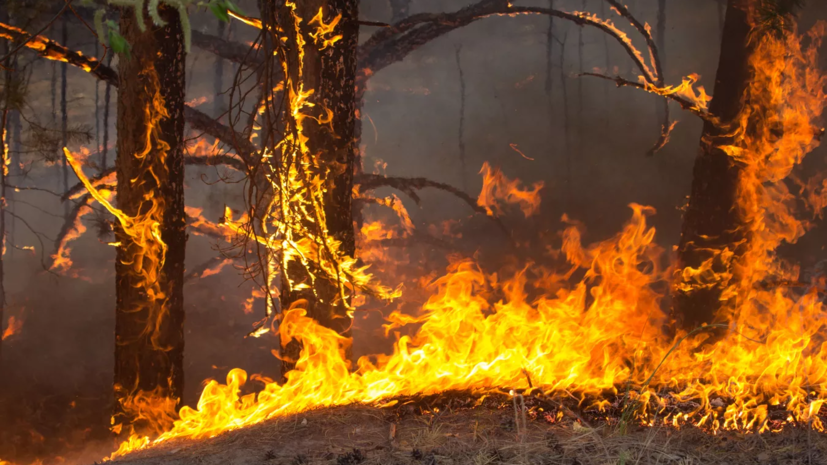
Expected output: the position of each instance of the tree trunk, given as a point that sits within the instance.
(711, 221)
(4, 48)
(331, 72)
(461, 133)
(64, 118)
(218, 77)
(149, 325)
(660, 39)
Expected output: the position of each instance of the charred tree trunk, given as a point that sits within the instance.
(331, 72)
(566, 126)
(711, 221)
(149, 324)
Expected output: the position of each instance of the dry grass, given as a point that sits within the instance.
(478, 436)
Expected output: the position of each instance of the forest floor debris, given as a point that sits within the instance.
(482, 435)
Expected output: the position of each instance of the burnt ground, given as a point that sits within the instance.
(486, 434)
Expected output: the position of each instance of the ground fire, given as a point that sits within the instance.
(341, 314)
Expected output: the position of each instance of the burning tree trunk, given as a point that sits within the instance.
(712, 229)
(4, 153)
(320, 54)
(150, 259)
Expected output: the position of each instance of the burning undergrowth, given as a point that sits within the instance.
(464, 429)
(593, 326)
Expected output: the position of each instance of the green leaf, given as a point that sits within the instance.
(219, 11)
(118, 43)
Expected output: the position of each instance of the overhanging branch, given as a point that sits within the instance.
(198, 120)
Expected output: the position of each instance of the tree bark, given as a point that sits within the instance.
(149, 325)
(331, 72)
(711, 220)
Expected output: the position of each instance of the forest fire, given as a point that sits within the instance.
(532, 337)
(605, 325)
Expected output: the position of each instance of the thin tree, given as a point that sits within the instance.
(461, 131)
(64, 119)
(660, 38)
(218, 76)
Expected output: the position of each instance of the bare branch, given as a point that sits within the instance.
(227, 49)
(393, 44)
(37, 235)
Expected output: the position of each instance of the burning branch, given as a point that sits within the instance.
(393, 44)
(72, 229)
(208, 268)
(51, 50)
(697, 108)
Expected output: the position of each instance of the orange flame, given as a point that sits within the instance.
(497, 188)
(13, 327)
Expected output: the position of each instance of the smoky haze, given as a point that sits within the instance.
(584, 138)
